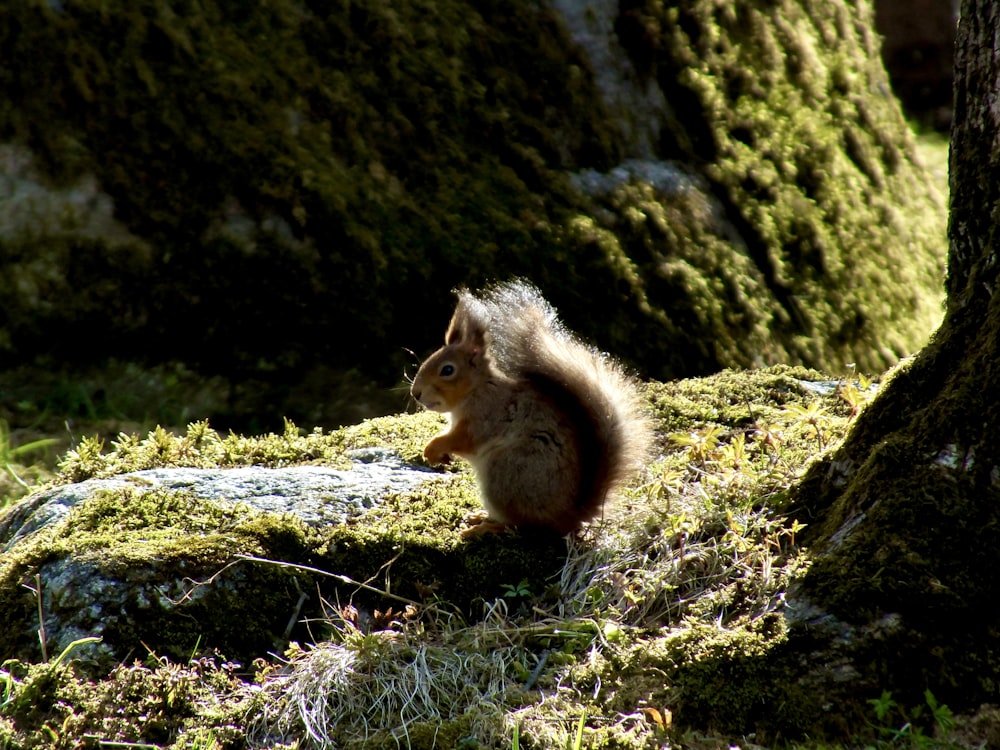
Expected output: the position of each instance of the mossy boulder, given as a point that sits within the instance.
(189, 542)
(282, 194)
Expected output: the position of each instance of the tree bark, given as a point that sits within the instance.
(904, 519)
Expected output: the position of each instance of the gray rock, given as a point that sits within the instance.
(318, 495)
(156, 589)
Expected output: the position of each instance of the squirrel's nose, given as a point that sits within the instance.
(415, 393)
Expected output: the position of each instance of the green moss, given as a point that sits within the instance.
(915, 482)
(809, 166)
(365, 131)
(722, 678)
(174, 551)
(731, 398)
(172, 524)
(291, 185)
(406, 434)
(426, 735)
(677, 612)
(199, 447)
(409, 545)
(727, 681)
(153, 703)
(419, 532)
(673, 603)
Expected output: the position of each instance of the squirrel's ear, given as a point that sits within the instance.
(475, 346)
(467, 325)
(459, 322)
(465, 332)
(455, 332)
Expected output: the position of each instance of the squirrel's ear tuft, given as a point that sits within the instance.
(454, 334)
(468, 324)
(456, 328)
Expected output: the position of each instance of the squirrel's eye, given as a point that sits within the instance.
(447, 371)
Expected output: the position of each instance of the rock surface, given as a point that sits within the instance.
(316, 495)
(140, 552)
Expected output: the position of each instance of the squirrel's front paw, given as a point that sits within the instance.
(434, 454)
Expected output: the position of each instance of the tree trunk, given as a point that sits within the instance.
(904, 520)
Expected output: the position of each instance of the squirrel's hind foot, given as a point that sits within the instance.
(480, 524)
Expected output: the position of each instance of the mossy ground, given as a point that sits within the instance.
(659, 626)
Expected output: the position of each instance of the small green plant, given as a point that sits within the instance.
(6, 688)
(942, 715)
(911, 731)
(882, 705)
(518, 591)
(86, 641)
(203, 739)
(857, 394)
(700, 444)
(813, 418)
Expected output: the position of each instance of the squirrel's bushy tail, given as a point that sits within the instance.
(526, 340)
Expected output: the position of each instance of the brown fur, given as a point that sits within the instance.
(550, 425)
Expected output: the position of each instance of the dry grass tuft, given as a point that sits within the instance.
(363, 685)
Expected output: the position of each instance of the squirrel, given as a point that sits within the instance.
(550, 425)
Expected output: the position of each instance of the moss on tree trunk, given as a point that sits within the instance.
(904, 518)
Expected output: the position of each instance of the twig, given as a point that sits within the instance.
(340, 577)
(118, 743)
(303, 596)
(41, 617)
(533, 677)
